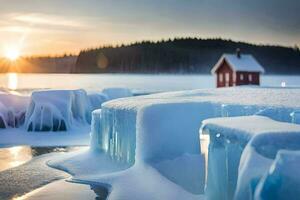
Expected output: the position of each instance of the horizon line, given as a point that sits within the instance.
(129, 43)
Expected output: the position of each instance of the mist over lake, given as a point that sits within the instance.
(25, 83)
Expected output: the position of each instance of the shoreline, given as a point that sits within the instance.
(29, 176)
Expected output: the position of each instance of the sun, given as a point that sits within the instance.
(12, 54)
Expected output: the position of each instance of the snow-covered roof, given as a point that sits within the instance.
(244, 63)
(249, 125)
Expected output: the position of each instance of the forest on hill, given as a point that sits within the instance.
(183, 55)
(40, 64)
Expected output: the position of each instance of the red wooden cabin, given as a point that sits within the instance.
(237, 69)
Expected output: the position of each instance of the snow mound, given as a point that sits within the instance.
(60, 110)
(115, 93)
(57, 110)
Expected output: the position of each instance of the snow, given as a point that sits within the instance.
(13, 137)
(157, 136)
(137, 182)
(245, 127)
(192, 165)
(57, 117)
(246, 63)
(152, 141)
(57, 110)
(148, 147)
(115, 93)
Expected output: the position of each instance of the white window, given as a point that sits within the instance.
(221, 77)
(250, 77)
(241, 77)
(227, 77)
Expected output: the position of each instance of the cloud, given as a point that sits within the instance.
(46, 19)
(14, 29)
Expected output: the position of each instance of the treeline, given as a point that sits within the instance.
(41, 64)
(183, 55)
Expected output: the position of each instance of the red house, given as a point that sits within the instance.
(237, 69)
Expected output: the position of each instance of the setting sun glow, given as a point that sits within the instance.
(12, 54)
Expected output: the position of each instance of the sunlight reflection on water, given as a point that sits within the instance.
(14, 156)
(12, 81)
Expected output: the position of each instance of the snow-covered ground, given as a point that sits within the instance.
(138, 83)
(148, 147)
(150, 144)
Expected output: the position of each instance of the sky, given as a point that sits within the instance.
(41, 27)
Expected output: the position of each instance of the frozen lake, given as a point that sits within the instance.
(25, 83)
(15, 156)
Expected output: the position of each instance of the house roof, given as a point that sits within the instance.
(246, 63)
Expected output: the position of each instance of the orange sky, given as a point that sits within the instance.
(58, 26)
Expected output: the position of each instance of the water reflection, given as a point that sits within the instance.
(66, 190)
(12, 81)
(101, 192)
(14, 156)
